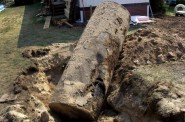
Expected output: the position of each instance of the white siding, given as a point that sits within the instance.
(87, 3)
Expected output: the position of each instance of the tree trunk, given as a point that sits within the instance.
(83, 86)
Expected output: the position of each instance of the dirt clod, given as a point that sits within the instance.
(44, 117)
(160, 59)
(35, 52)
(17, 89)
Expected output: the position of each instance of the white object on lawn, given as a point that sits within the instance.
(140, 19)
(181, 11)
(2, 7)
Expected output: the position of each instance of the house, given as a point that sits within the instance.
(82, 9)
(135, 7)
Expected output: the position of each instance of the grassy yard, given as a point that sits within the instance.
(169, 10)
(20, 29)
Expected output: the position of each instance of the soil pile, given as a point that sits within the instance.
(151, 46)
(149, 77)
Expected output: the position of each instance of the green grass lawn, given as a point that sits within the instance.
(32, 33)
(11, 61)
(169, 10)
(20, 29)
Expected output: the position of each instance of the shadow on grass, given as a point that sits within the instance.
(33, 34)
(134, 28)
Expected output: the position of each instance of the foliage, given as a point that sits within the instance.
(180, 1)
(157, 6)
(169, 10)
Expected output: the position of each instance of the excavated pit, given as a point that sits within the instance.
(133, 96)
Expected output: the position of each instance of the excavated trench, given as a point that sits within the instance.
(143, 94)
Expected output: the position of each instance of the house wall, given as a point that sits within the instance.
(87, 3)
(135, 7)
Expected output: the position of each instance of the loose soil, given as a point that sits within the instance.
(158, 43)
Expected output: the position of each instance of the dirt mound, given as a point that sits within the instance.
(171, 25)
(35, 53)
(150, 46)
(151, 93)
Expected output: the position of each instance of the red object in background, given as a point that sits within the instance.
(83, 9)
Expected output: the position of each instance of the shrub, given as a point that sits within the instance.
(180, 1)
(157, 6)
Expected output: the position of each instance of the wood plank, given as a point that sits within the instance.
(47, 22)
(68, 24)
(70, 9)
(66, 13)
